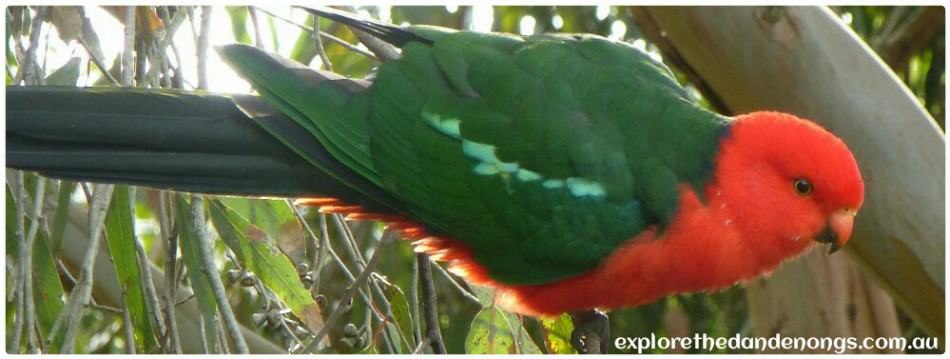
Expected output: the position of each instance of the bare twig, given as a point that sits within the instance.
(422, 346)
(429, 309)
(314, 242)
(325, 243)
(258, 40)
(896, 47)
(127, 328)
(465, 293)
(324, 250)
(96, 60)
(414, 302)
(21, 273)
(29, 311)
(32, 74)
(205, 250)
(673, 58)
(170, 246)
(128, 49)
(319, 39)
(353, 249)
(332, 38)
(203, 47)
(185, 299)
(222, 340)
(80, 295)
(161, 48)
(349, 293)
(103, 307)
(153, 306)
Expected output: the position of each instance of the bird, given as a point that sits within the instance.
(568, 172)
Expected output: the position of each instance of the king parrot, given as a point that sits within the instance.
(567, 172)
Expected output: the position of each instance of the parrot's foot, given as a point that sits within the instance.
(591, 332)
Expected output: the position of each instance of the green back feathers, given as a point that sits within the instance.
(542, 154)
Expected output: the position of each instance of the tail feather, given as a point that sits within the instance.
(384, 31)
(171, 140)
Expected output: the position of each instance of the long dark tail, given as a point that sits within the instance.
(170, 140)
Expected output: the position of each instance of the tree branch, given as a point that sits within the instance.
(206, 256)
(349, 293)
(429, 304)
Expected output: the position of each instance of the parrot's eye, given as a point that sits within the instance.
(802, 186)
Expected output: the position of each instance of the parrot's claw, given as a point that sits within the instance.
(591, 332)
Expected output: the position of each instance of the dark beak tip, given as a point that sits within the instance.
(834, 248)
(827, 236)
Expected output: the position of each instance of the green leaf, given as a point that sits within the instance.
(120, 235)
(67, 75)
(485, 295)
(267, 214)
(256, 254)
(557, 334)
(47, 289)
(188, 241)
(401, 314)
(305, 47)
(273, 34)
(238, 15)
(490, 333)
(522, 338)
(61, 215)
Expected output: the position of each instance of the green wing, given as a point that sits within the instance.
(542, 154)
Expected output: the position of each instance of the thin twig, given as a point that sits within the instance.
(222, 340)
(103, 307)
(319, 39)
(185, 299)
(21, 273)
(429, 309)
(422, 346)
(314, 242)
(171, 27)
(203, 335)
(79, 297)
(350, 292)
(465, 293)
(899, 42)
(31, 73)
(152, 303)
(414, 301)
(350, 243)
(128, 47)
(170, 246)
(258, 40)
(206, 250)
(336, 259)
(203, 39)
(324, 250)
(127, 327)
(178, 80)
(29, 310)
(348, 240)
(96, 60)
(332, 38)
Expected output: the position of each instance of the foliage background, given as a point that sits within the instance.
(262, 243)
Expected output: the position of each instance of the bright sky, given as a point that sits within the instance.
(221, 77)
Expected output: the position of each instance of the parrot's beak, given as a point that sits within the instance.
(838, 230)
